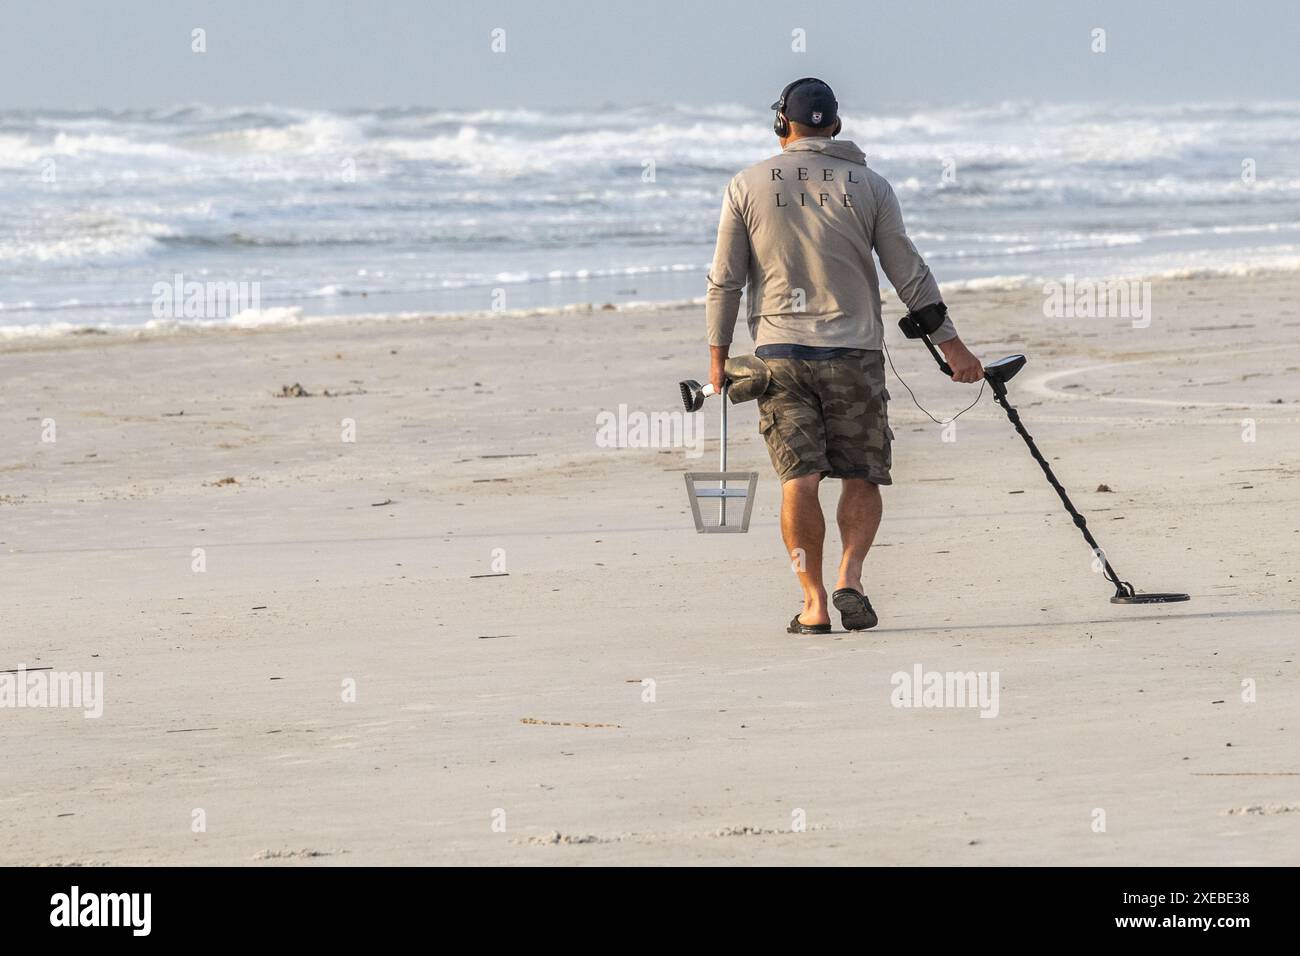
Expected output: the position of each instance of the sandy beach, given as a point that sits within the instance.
(473, 635)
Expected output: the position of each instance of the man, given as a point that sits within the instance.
(799, 229)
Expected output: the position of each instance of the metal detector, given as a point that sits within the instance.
(997, 374)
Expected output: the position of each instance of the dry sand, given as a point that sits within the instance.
(519, 699)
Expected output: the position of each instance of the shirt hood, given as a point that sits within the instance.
(837, 148)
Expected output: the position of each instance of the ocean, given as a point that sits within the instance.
(385, 212)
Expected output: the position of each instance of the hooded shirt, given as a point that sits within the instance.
(799, 230)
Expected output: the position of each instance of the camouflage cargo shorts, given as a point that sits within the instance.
(828, 417)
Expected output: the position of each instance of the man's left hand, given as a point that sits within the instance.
(718, 366)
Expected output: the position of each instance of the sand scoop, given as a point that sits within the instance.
(721, 501)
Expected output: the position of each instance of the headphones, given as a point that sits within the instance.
(780, 125)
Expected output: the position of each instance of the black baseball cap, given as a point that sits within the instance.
(809, 101)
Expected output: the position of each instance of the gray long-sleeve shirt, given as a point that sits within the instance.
(799, 228)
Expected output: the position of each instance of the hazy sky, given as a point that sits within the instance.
(339, 53)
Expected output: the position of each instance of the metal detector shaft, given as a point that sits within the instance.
(722, 458)
(1122, 588)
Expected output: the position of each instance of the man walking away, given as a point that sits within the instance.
(800, 229)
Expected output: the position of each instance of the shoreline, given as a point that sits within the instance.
(287, 318)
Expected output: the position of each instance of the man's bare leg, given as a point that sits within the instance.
(859, 519)
(804, 527)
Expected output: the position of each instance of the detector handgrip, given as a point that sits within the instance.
(919, 325)
(693, 395)
(943, 366)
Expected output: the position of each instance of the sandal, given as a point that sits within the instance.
(798, 627)
(856, 612)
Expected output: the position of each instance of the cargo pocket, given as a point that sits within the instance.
(783, 457)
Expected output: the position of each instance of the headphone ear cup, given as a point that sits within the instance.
(839, 125)
(780, 126)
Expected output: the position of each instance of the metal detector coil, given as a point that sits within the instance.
(702, 491)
